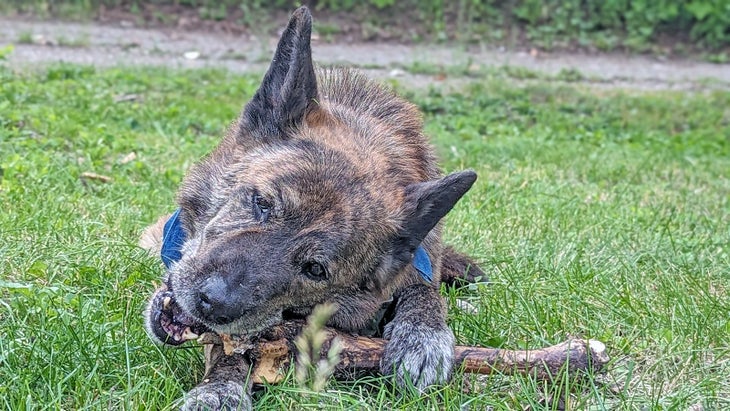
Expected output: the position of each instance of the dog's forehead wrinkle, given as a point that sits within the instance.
(317, 174)
(231, 216)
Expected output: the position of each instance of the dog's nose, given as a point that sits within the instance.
(214, 302)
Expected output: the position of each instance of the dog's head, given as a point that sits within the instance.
(293, 209)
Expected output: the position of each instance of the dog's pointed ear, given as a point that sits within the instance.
(289, 87)
(425, 205)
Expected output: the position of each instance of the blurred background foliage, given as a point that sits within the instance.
(600, 24)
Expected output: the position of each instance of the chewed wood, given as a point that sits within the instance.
(361, 356)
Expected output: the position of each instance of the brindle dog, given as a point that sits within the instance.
(324, 190)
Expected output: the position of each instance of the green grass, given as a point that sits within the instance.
(603, 215)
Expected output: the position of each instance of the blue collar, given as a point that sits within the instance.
(422, 264)
(173, 237)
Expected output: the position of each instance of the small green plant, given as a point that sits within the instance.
(712, 21)
(519, 73)
(25, 37)
(4, 53)
(76, 42)
(213, 12)
(570, 75)
(718, 58)
(336, 5)
(312, 370)
(420, 67)
(327, 30)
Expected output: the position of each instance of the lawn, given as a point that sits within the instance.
(599, 214)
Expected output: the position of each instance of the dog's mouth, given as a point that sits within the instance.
(169, 323)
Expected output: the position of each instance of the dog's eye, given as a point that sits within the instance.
(261, 208)
(314, 270)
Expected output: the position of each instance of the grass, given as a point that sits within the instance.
(603, 215)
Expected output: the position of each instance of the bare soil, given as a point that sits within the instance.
(117, 42)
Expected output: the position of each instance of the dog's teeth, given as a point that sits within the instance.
(188, 334)
(166, 302)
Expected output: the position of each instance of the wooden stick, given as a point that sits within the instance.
(87, 175)
(272, 353)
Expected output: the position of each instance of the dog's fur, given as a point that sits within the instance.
(321, 192)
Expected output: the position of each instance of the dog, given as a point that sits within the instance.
(324, 190)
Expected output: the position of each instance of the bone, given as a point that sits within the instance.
(272, 353)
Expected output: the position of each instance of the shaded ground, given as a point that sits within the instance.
(38, 43)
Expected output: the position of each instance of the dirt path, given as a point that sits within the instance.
(39, 43)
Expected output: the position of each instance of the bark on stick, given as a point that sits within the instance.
(272, 352)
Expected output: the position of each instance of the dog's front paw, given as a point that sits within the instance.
(418, 355)
(220, 395)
